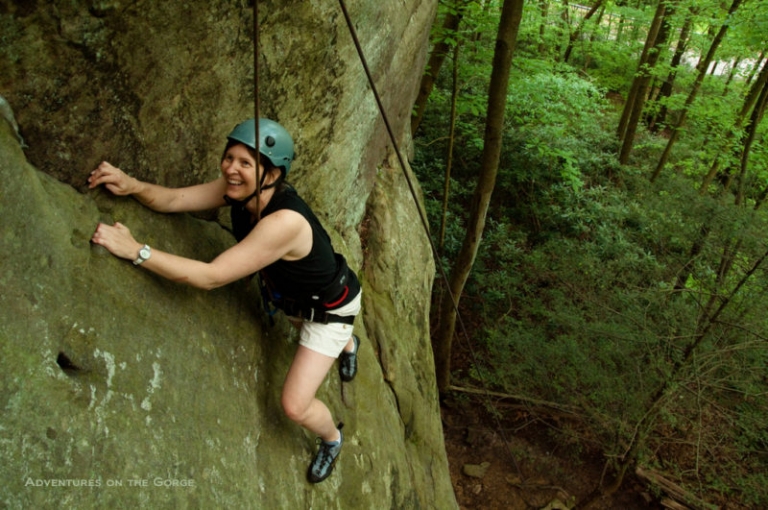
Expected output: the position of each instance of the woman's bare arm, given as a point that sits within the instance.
(200, 197)
(282, 235)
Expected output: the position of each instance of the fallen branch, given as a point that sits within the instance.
(496, 394)
(673, 490)
(672, 504)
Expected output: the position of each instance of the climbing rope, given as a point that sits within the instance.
(425, 225)
(414, 195)
(256, 100)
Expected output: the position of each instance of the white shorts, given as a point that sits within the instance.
(330, 339)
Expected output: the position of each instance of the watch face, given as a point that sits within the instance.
(144, 253)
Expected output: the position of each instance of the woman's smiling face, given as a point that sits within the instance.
(239, 169)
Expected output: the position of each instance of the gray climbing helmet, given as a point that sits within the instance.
(274, 141)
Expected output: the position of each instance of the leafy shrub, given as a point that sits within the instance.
(593, 286)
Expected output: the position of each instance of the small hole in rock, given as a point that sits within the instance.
(66, 364)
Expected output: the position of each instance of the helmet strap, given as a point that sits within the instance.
(242, 203)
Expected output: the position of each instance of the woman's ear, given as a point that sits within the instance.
(274, 175)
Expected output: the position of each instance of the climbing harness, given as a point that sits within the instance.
(319, 306)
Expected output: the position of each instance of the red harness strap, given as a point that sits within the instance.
(340, 300)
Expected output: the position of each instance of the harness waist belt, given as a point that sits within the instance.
(312, 314)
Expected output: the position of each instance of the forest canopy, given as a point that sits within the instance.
(620, 267)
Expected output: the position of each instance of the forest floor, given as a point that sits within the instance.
(528, 467)
(526, 470)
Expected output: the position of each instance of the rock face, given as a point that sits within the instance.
(120, 389)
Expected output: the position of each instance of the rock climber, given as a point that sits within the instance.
(278, 237)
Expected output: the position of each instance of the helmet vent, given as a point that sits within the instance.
(269, 141)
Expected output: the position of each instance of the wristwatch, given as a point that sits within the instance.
(144, 253)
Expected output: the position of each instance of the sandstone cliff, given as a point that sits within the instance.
(119, 389)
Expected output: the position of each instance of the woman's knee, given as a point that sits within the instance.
(294, 409)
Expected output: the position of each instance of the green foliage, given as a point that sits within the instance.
(759, 161)
(594, 288)
(612, 69)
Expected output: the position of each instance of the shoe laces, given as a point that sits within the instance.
(326, 455)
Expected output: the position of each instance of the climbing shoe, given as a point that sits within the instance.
(348, 362)
(322, 465)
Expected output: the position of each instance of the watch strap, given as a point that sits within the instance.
(144, 253)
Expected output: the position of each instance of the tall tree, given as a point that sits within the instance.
(641, 82)
(598, 24)
(749, 139)
(752, 98)
(732, 249)
(701, 71)
(580, 28)
(708, 320)
(564, 25)
(622, 20)
(749, 102)
(731, 74)
(754, 69)
(451, 144)
(677, 58)
(544, 11)
(509, 25)
(447, 37)
(649, 43)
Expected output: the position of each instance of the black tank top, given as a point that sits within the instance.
(304, 279)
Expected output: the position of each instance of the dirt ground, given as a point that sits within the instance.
(526, 469)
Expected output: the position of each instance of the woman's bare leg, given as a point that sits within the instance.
(305, 376)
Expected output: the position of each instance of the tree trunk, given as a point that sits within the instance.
(544, 10)
(436, 59)
(749, 101)
(698, 245)
(633, 111)
(649, 43)
(511, 15)
(598, 24)
(754, 69)
(730, 252)
(731, 74)
(666, 88)
(709, 319)
(749, 139)
(693, 254)
(576, 33)
(622, 20)
(451, 143)
(701, 69)
(565, 27)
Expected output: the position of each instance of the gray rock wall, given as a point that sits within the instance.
(119, 389)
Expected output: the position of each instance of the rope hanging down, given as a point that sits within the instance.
(403, 167)
(423, 219)
(256, 100)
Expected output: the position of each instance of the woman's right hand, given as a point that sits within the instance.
(114, 179)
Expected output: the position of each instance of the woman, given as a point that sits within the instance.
(279, 237)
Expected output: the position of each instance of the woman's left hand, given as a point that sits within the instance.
(117, 239)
